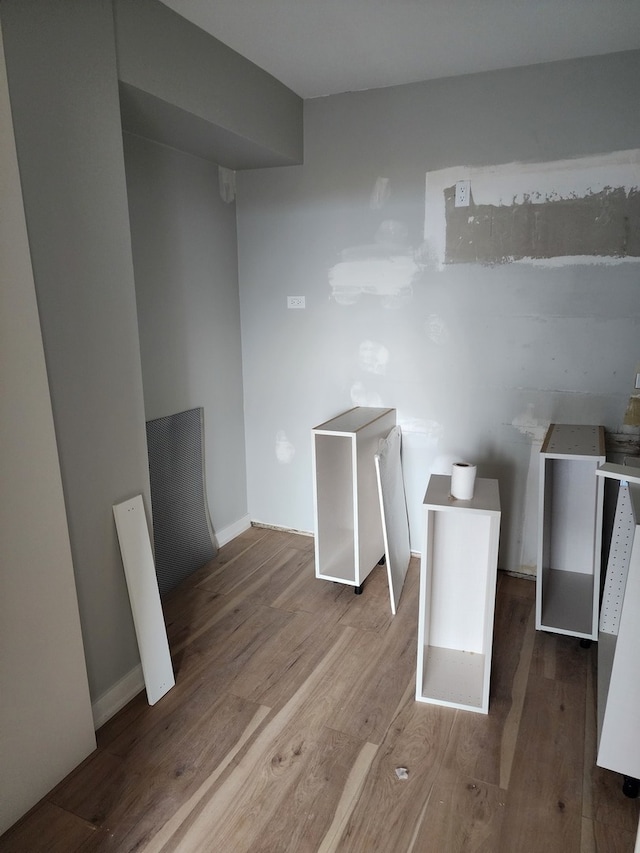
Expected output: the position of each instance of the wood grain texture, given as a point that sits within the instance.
(294, 709)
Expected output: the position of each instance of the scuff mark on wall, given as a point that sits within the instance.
(562, 212)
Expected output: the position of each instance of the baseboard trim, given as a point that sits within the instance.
(265, 526)
(116, 697)
(232, 530)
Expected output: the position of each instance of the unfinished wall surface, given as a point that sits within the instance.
(186, 270)
(478, 357)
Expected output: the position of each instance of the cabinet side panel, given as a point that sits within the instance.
(334, 507)
(461, 543)
(370, 541)
(573, 513)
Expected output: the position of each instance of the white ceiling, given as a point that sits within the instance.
(322, 47)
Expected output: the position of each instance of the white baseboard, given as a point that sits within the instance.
(117, 696)
(228, 533)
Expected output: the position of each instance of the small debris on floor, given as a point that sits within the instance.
(402, 773)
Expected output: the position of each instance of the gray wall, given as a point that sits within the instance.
(43, 678)
(64, 78)
(475, 349)
(186, 270)
(185, 88)
(63, 84)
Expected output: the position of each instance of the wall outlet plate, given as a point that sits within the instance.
(463, 193)
(295, 302)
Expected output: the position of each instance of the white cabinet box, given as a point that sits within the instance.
(570, 530)
(457, 595)
(348, 525)
(619, 642)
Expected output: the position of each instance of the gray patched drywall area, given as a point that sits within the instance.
(599, 224)
(584, 210)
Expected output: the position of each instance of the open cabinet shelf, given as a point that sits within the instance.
(348, 526)
(570, 530)
(457, 595)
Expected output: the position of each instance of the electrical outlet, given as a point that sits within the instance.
(463, 192)
(295, 302)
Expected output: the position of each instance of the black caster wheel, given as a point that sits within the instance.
(382, 560)
(358, 589)
(631, 787)
(585, 644)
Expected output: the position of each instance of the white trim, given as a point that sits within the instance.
(232, 530)
(116, 697)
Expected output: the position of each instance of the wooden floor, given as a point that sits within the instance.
(294, 711)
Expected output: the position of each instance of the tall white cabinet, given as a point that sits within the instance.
(570, 530)
(619, 641)
(457, 595)
(348, 524)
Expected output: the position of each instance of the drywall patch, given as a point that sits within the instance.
(363, 396)
(562, 212)
(603, 224)
(385, 268)
(285, 451)
(379, 194)
(373, 357)
(437, 330)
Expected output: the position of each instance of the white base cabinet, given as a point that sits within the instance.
(619, 642)
(348, 525)
(458, 573)
(570, 530)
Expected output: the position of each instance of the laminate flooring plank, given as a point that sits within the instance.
(204, 607)
(224, 579)
(220, 652)
(482, 746)
(543, 810)
(233, 550)
(160, 777)
(293, 708)
(463, 815)
(612, 839)
(309, 594)
(310, 799)
(389, 808)
(560, 658)
(48, 829)
(371, 611)
(278, 668)
(385, 668)
(132, 713)
(274, 761)
(90, 791)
